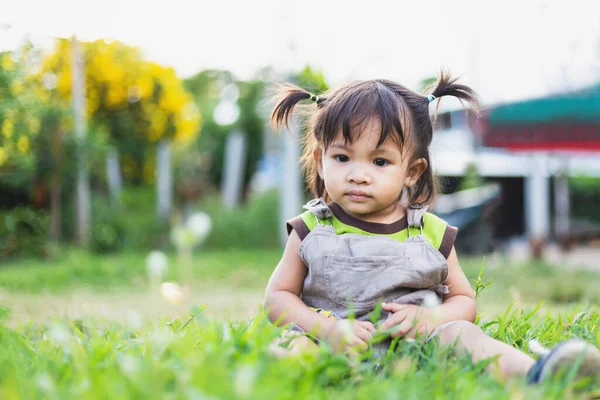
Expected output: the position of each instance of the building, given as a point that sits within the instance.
(530, 147)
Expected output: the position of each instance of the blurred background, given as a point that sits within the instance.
(139, 174)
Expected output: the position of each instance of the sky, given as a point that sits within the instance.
(506, 50)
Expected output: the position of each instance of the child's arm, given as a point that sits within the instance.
(282, 297)
(459, 304)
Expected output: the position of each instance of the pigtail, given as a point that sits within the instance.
(285, 101)
(423, 192)
(447, 86)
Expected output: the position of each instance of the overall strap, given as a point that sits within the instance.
(414, 218)
(319, 209)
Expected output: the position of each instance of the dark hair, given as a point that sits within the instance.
(400, 111)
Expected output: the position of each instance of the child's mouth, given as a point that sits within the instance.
(358, 196)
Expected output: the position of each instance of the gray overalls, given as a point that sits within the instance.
(349, 274)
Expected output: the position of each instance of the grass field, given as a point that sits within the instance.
(90, 328)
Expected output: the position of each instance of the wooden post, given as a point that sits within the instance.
(233, 170)
(56, 184)
(537, 204)
(113, 176)
(79, 110)
(164, 181)
(562, 205)
(291, 181)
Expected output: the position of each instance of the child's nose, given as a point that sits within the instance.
(359, 176)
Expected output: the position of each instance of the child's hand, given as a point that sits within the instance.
(350, 335)
(407, 320)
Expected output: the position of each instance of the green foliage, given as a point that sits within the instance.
(472, 179)
(254, 224)
(311, 80)
(108, 229)
(585, 198)
(426, 84)
(584, 183)
(23, 232)
(206, 88)
(143, 231)
(131, 225)
(20, 111)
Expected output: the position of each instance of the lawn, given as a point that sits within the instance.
(139, 346)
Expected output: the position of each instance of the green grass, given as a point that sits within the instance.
(72, 268)
(215, 357)
(203, 358)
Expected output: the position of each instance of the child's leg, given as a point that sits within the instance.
(470, 338)
(291, 343)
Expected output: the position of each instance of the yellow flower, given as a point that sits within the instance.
(159, 124)
(115, 97)
(7, 62)
(17, 87)
(7, 128)
(116, 77)
(146, 85)
(23, 144)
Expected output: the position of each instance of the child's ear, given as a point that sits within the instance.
(318, 155)
(415, 170)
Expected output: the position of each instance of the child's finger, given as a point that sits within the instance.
(363, 334)
(368, 325)
(394, 307)
(393, 320)
(402, 329)
(353, 342)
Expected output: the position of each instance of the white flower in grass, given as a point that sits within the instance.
(244, 379)
(226, 331)
(45, 383)
(128, 364)
(157, 265)
(172, 292)
(182, 237)
(160, 338)
(200, 225)
(194, 232)
(134, 320)
(83, 385)
(192, 393)
(59, 334)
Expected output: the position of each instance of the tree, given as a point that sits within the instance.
(133, 102)
(311, 80)
(19, 120)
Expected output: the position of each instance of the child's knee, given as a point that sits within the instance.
(452, 331)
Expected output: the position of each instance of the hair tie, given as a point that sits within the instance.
(314, 98)
(431, 98)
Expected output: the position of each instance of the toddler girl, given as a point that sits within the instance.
(368, 238)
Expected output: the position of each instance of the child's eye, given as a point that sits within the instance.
(342, 158)
(380, 162)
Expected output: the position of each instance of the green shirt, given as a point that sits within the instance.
(436, 230)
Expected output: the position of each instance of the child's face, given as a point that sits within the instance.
(364, 179)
